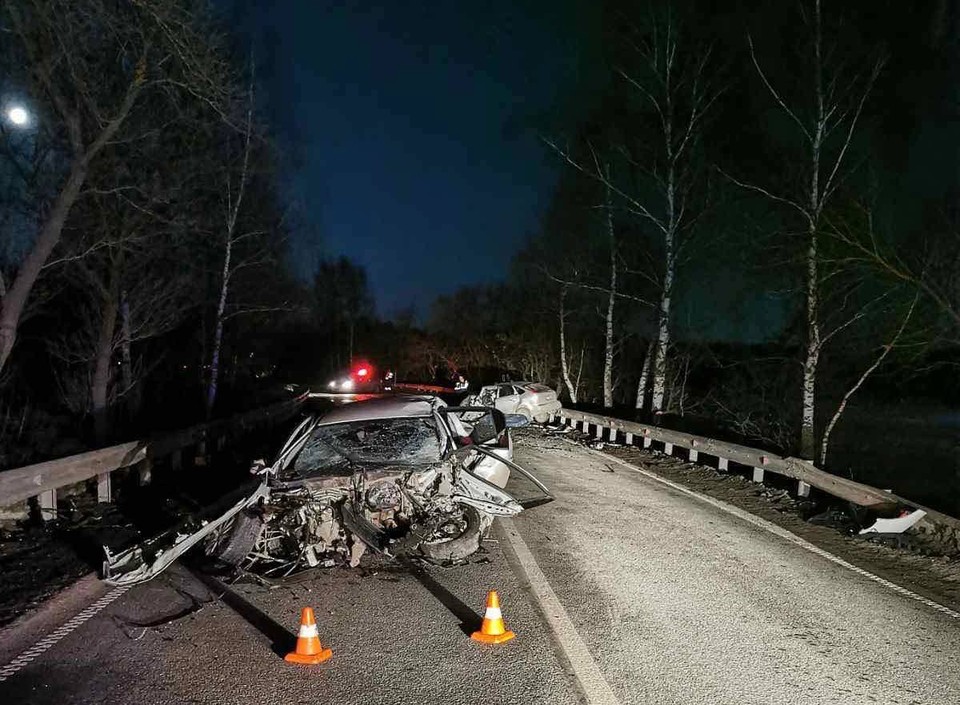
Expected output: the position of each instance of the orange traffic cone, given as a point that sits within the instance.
(492, 630)
(308, 649)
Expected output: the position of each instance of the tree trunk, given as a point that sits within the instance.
(663, 316)
(102, 364)
(233, 211)
(811, 357)
(611, 298)
(218, 328)
(564, 366)
(15, 299)
(131, 392)
(644, 376)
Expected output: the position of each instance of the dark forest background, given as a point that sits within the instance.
(754, 232)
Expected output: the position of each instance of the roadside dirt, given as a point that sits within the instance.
(37, 562)
(918, 563)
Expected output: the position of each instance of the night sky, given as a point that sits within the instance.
(414, 131)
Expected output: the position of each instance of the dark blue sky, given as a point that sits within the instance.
(414, 127)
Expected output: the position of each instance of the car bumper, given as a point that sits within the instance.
(550, 408)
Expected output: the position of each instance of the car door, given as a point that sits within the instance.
(507, 399)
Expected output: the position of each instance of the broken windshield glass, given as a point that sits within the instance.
(408, 441)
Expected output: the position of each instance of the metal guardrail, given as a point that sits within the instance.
(42, 480)
(804, 472)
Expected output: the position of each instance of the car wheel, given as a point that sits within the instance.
(233, 542)
(541, 418)
(524, 411)
(462, 545)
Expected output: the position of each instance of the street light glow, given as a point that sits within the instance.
(18, 115)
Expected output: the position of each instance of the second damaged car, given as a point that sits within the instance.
(405, 476)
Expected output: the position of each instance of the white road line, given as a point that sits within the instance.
(585, 668)
(779, 531)
(46, 642)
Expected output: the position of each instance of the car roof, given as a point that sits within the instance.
(392, 407)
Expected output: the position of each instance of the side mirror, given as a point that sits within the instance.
(517, 420)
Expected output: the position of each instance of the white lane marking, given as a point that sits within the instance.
(781, 532)
(46, 642)
(585, 668)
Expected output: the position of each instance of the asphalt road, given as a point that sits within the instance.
(623, 590)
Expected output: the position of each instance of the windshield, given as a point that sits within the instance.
(407, 441)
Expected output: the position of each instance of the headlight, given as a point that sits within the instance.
(333, 385)
(347, 384)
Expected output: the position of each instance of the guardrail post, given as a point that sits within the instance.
(723, 464)
(104, 489)
(694, 454)
(668, 448)
(629, 439)
(758, 474)
(647, 441)
(47, 501)
(803, 489)
(599, 431)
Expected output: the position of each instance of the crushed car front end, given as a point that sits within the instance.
(407, 476)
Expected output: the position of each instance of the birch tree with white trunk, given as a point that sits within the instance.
(862, 379)
(564, 362)
(671, 84)
(609, 341)
(826, 127)
(235, 187)
(644, 382)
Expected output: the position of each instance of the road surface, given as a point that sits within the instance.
(624, 590)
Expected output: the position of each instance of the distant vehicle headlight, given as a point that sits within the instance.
(333, 384)
(347, 384)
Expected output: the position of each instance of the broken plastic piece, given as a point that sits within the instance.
(895, 526)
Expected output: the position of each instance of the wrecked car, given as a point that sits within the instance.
(404, 476)
(535, 401)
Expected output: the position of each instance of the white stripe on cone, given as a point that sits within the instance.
(493, 613)
(308, 630)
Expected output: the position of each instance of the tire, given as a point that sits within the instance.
(541, 418)
(238, 540)
(524, 411)
(464, 545)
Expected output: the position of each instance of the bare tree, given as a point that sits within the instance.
(827, 132)
(611, 301)
(674, 88)
(235, 187)
(90, 64)
(884, 351)
(564, 363)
